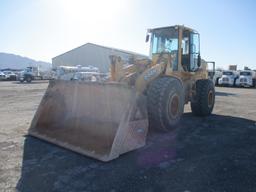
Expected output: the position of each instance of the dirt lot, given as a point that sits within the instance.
(216, 153)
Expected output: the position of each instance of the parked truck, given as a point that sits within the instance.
(247, 78)
(29, 74)
(228, 78)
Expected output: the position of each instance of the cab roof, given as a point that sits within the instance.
(174, 26)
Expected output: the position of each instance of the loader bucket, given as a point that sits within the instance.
(100, 120)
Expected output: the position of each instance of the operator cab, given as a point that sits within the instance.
(179, 42)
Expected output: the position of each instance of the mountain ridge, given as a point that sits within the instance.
(13, 61)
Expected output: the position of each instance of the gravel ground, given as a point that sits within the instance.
(215, 153)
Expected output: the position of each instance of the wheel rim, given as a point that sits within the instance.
(210, 98)
(173, 106)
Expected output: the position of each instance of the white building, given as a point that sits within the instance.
(94, 55)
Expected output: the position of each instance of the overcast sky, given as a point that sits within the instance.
(42, 29)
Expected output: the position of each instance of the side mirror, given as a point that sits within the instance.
(147, 38)
(199, 61)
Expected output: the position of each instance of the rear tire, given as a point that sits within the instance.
(203, 103)
(165, 103)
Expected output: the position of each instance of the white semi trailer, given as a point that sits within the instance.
(71, 72)
(247, 78)
(228, 78)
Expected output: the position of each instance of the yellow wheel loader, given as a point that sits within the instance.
(105, 119)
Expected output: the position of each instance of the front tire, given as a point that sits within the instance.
(203, 102)
(165, 103)
(28, 79)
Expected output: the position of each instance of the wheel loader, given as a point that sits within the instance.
(106, 119)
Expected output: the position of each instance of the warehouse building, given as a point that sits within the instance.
(94, 55)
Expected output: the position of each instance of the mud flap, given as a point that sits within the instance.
(100, 120)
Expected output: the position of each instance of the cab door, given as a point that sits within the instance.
(194, 52)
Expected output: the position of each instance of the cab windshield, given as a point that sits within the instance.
(164, 40)
(245, 73)
(27, 70)
(227, 73)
